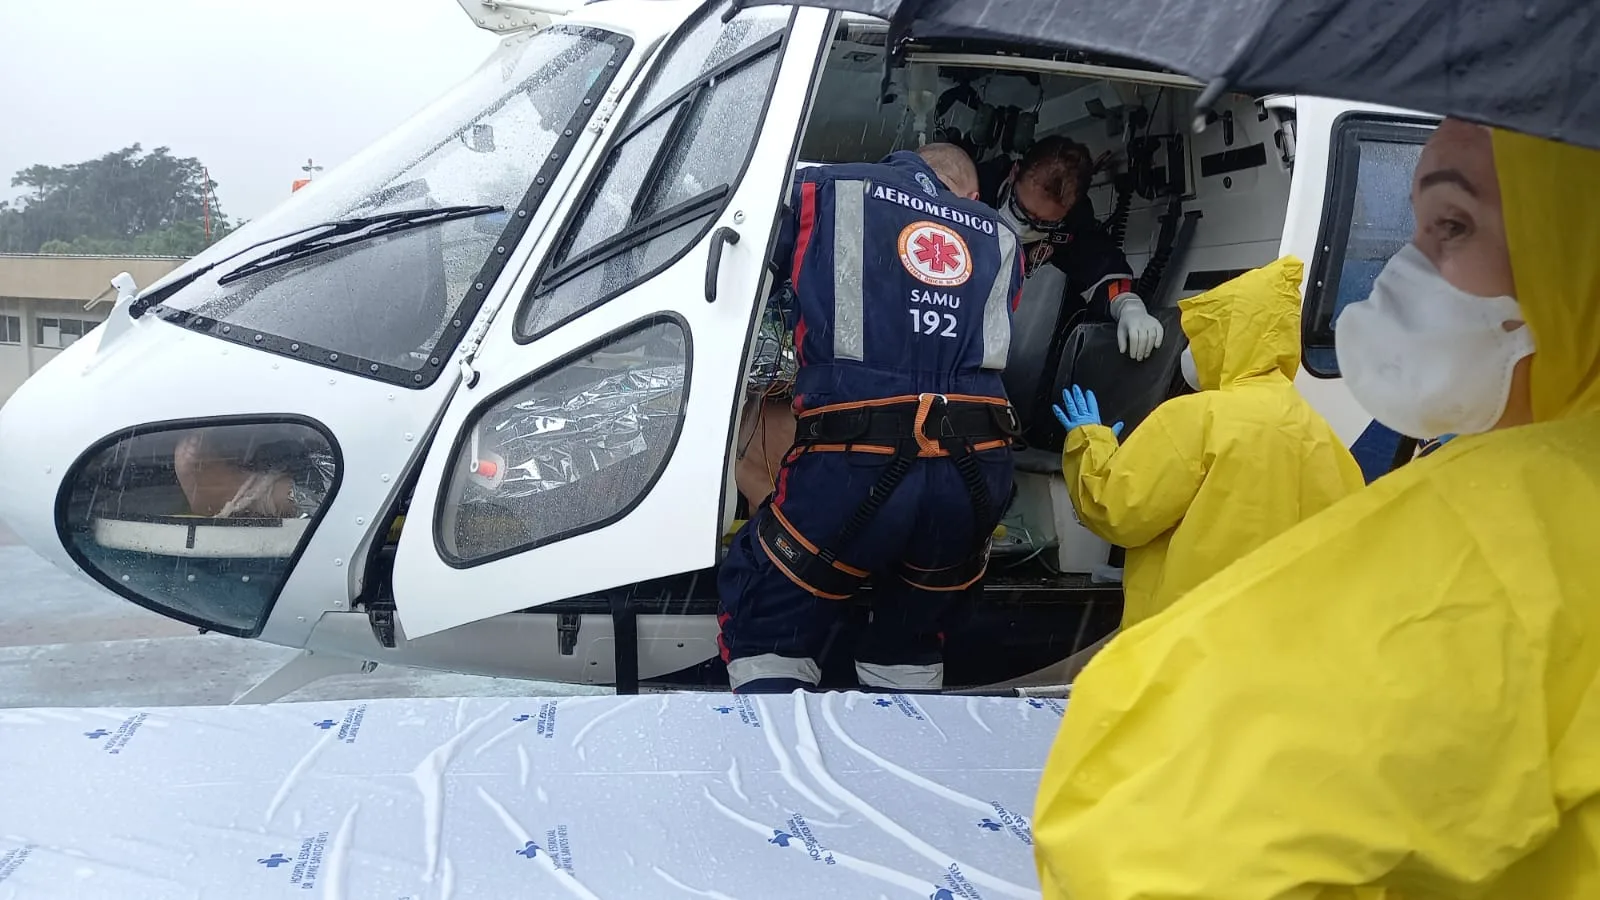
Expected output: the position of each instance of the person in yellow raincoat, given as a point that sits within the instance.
(1208, 477)
(1398, 698)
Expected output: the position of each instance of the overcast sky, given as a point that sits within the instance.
(251, 88)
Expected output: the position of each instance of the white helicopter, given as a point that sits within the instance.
(473, 401)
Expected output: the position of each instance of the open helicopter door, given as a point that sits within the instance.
(591, 449)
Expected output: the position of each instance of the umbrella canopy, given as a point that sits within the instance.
(1526, 65)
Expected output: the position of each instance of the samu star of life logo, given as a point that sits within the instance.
(934, 254)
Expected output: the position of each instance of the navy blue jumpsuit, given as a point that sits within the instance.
(904, 291)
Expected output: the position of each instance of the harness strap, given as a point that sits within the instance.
(802, 562)
(923, 426)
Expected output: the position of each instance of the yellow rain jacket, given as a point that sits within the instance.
(1209, 477)
(1398, 699)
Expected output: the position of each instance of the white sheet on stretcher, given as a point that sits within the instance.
(655, 797)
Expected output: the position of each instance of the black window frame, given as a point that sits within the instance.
(7, 319)
(84, 325)
(710, 204)
(1349, 131)
(470, 424)
(457, 325)
(291, 564)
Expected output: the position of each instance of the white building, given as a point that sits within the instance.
(47, 302)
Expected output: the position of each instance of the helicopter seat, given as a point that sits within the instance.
(1127, 391)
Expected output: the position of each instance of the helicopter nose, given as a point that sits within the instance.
(34, 454)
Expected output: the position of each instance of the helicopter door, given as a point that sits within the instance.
(591, 452)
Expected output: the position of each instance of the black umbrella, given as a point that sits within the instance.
(1527, 65)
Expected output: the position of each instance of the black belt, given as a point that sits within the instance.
(972, 422)
(952, 427)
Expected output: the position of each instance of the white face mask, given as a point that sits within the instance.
(1186, 366)
(1427, 358)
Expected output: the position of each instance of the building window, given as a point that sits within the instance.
(10, 330)
(59, 334)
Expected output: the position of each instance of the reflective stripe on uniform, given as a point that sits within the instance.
(746, 669)
(898, 678)
(849, 219)
(997, 310)
(1115, 276)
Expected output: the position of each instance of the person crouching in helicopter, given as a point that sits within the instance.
(901, 465)
(252, 472)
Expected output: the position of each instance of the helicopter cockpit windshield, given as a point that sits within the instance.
(383, 301)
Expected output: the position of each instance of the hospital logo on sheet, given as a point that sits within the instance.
(742, 708)
(902, 703)
(956, 886)
(305, 866)
(544, 722)
(935, 254)
(113, 741)
(1008, 821)
(1055, 706)
(12, 860)
(797, 834)
(556, 849)
(349, 725)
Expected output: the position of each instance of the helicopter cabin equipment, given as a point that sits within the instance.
(493, 327)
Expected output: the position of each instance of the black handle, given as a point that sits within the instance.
(723, 235)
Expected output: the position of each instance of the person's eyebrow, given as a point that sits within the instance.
(1446, 176)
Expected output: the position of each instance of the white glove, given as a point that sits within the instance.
(1138, 332)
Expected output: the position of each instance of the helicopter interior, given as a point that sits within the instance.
(1189, 210)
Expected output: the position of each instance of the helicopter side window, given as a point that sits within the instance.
(669, 171)
(1368, 219)
(202, 521)
(569, 450)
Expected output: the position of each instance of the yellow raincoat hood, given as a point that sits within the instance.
(1233, 341)
(1400, 697)
(1211, 476)
(1548, 192)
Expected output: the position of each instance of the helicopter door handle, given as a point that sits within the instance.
(719, 239)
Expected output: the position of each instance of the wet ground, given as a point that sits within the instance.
(67, 642)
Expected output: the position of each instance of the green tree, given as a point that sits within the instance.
(127, 201)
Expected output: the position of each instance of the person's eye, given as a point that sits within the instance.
(1451, 227)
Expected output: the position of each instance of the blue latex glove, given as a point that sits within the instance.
(1081, 409)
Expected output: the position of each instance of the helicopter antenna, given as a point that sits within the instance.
(310, 168)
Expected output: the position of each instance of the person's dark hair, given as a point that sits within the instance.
(1059, 166)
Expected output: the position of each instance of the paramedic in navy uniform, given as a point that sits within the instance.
(901, 467)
